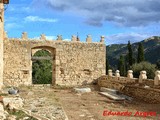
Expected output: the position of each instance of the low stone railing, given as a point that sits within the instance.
(142, 77)
(141, 88)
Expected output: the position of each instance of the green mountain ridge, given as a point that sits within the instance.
(151, 50)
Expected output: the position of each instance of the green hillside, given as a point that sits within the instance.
(151, 49)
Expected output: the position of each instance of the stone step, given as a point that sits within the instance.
(112, 96)
(103, 89)
(82, 90)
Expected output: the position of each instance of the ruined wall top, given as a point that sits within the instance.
(42, 37)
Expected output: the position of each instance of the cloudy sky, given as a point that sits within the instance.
(118, 20)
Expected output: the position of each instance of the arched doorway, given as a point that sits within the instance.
(43, 65)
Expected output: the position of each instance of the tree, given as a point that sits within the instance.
(140, 56)
(158, 64)
(107, 65)
(42, 69)
(121, 66)
(130, 54)
(148, 67)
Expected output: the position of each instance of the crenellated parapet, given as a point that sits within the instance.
(24, 36)
(102, 39)
(74, 38)
(59, 38)
(89, 39)
(42, 37)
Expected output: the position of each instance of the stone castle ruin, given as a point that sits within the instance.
(74, 63)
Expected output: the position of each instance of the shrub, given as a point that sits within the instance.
(148, 67)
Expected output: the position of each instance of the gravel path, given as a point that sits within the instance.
(42, 102)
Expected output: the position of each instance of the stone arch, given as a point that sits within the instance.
(51, 50)
(36, 50)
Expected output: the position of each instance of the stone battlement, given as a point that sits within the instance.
(59, 38)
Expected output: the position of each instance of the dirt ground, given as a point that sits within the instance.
(86, 106)
(90, 106)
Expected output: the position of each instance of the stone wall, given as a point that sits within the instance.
(1, 42)
(74, 63)
(17, 62)
(148, 95)
(112, 82)
(142, 89)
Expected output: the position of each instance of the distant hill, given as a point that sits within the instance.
(151, 50)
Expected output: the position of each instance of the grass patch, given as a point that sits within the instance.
(62, 87)
(3, 94)
(20, 115)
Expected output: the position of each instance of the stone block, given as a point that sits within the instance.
(59, 37)
(99, 66)
(82, 90)
(112, 96)
(74, 38)
(117, 75)
(142, 76)
(130, 74)
(57, 62)
(13, 102)
(110, 74)
(157, 78)
(42, 37)
(89, 39)
(24, 36)
(102, 39)
(103, 89)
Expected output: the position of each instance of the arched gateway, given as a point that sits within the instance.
(52, 57)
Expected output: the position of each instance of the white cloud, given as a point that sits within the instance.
(51, 37)
(9, 26)
(39, 19)
(67, 39)
(128, 13)
(26, 9)
(47, 37)
(19, 8)
(125, 37)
